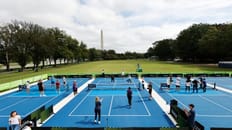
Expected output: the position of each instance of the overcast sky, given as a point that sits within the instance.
(128, 25)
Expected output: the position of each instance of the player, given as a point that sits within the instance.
(97, 110)
(57, 86)
(41, 88)
(188, 84)
(169, 81)
(64, 81)
(129, 96)
(75, 88)
(129, 79)
(191, 116)
(150, 90)
(178, 83)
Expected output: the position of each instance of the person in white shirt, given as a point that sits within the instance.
(14, 121)
(28, 86)
(178, 84)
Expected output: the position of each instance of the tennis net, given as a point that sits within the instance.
(114, 86)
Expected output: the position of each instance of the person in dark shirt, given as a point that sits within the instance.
(191, 116)
(188, 84)
(143, 84)
(103, 73)
(97, 110)
(204, 85)
(195, 85)
(75, 87)
(112, 79)
(150, 90)
(129, 96)
(41, 88)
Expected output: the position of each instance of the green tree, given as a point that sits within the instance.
(187, 41)
(164, 49)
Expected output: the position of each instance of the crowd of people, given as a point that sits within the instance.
(195, 83)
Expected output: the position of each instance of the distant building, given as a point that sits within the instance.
(225, 64)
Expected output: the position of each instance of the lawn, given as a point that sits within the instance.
(115, 66)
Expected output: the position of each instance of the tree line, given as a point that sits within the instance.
(198, 43)
(24, 42)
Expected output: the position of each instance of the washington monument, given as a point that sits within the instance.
(102, 47)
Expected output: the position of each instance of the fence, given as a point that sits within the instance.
(14, 84)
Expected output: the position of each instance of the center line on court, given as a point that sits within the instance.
(111, 103)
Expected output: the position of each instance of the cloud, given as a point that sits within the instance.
(128, 25)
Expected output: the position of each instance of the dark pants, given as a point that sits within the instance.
(98, 113)
(187, 88)
(195, 88)
(129, 100)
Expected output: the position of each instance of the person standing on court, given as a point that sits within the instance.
(178, 83)
(195, 85)
(14, 121)
(28, 86)
(191, 116)
(129, 96)
(169, 81)
(64, 81)
(75, 88)
(41, 88)
(97, 110)
(57, 86)
(103, 73)
(150, 90)
(143, 84)
(129, 80)
(112, 79)
(188, 84)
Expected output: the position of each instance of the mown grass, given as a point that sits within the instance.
(115, 66)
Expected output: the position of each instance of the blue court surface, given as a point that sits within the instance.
(213, 108)
(25, 103)
(225, 82)
(115, 111)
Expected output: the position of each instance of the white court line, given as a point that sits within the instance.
(32, 110)
(111, 103)
(203, 98)
(149, 114)
(223, 107)
(199, 115)
(70, 114)
(110, 115)
(13, 104)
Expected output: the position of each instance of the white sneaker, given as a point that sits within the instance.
(99, 122)
(95, 121)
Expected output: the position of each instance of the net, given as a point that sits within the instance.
(113, 86)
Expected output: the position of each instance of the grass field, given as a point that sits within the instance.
(115, 66)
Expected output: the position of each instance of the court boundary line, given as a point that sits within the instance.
(111, 103)
(144, 104)
(198, 115)
(17, 102)
(223, 116)
(33, 109)
(187, 106)
(223, 107)
(110, 109)
(111, 115)
(70, 114)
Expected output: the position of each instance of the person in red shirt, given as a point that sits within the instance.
(57, 86)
